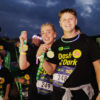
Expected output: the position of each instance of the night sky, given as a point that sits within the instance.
(18, 15)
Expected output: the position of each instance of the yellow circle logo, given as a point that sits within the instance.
(27, 77)
(76, 53)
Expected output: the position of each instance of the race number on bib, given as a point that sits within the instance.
(44, 85)
(60, 77)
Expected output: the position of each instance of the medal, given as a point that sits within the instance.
(50, 54)
(25, 47)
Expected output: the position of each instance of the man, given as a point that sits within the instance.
(73, 55)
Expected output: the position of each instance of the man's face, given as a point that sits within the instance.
(68, 22)
(48, 34)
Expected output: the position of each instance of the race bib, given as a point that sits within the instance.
(44, 87)
(61, 75)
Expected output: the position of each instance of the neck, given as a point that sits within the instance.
(69, 34)
(50, 44)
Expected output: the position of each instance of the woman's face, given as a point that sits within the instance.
(48, 34)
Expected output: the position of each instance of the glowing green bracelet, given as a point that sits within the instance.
(40, 67)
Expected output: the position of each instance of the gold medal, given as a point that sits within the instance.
(50, 54)
(25, 47)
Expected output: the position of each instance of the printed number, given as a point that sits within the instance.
(62, 77)
(45, 85)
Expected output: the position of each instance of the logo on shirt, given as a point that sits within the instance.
(76, 53)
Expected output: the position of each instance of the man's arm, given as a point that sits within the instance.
(97, 70)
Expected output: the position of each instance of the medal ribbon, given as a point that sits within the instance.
(19, 86)
(40, 67)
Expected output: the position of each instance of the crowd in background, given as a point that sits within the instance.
(10, 50)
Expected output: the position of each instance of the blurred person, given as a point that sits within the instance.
(5, 80)
(36, 40)
(71, 62)
(10, 50)
(22, 80)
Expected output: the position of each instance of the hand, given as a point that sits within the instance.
(98, 97)
(42, 49)
(23, 37)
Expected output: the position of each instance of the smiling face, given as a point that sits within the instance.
(68, 22)
(48, 34)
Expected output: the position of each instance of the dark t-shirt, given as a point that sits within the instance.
(5, 78)
(76, 58)
(32, 69)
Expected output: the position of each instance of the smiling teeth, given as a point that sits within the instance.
(46, 39)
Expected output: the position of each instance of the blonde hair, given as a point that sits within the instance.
(48, 24)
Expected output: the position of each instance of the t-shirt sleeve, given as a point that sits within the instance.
(94, 50)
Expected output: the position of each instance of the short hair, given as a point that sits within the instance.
(68, 10)
(48, 24)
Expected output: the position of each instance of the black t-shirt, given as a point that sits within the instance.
(76, 57)
(5, 78)
(31, 57)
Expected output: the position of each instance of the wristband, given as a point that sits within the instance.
(23, 53)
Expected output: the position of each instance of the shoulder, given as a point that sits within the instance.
(86, 38)
(57, 41)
